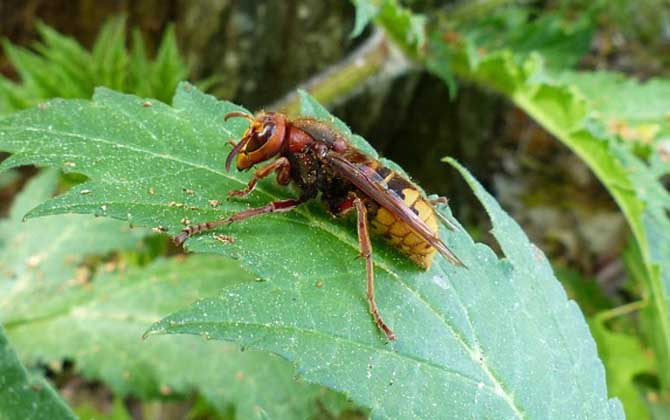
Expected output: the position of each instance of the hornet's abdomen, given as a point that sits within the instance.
(399, 233)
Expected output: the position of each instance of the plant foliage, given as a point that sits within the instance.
(499, 339)
(101, 317)
(59, 66)
(616, 125)
(608, 136)
(23, 395)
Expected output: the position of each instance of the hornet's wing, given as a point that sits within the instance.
(377, 191)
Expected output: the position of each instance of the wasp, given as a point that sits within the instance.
(319, 159)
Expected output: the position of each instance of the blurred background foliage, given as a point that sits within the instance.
(256, 53)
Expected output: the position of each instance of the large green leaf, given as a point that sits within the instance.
(609, 134)
(99, 320)
(635, 127)
(577, 108)
(25, 396)
(499, 339)
(100, 329)
(596, 129)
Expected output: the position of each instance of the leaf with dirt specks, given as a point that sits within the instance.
(97, 323)
(499, 339)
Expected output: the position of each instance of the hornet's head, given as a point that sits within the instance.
(262, 141)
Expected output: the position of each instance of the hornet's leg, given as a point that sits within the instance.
(281, 166)
(443, 201)
(275, 206)
(366, 252)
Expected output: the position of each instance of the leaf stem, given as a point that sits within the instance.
(375, 59)
(623, 310)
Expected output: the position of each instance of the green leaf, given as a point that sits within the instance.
(140, 68)
(100, 321)
(25, 396)
(366, 10)
(100, 328)
(59, 66)
(12, 96)
(168, 68)
(28, 261)
(637, 104)
(561, 38)
(109, 53)
(38, 258)
(655, 250)
(497, 340)
(624, 359)
(406, 28)
(66, 60)
(583, 121)
(26, 63)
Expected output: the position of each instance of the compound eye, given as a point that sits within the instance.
(267, 131)
(260, 138)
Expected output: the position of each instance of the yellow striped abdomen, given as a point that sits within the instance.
(399, 233)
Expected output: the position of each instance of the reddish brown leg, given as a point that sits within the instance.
(275, 206)
(366, 252)
(281, 166)
(443, 201)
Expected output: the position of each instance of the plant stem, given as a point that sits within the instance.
(622, 310)
(375, 59)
